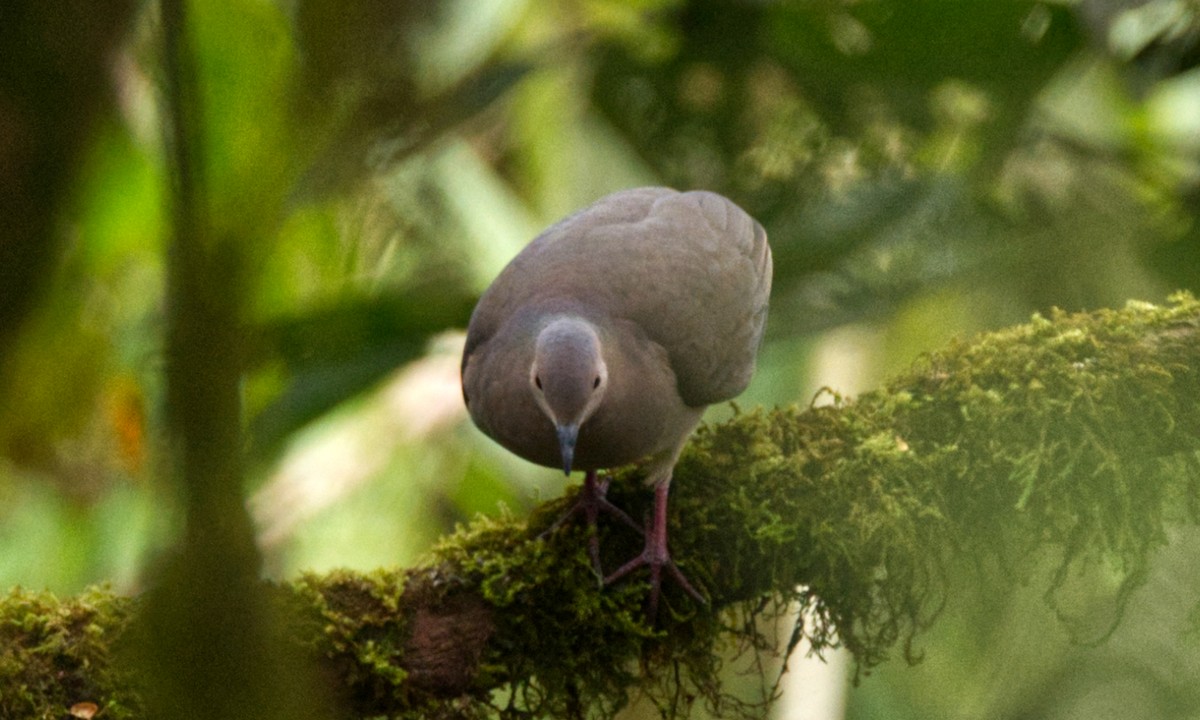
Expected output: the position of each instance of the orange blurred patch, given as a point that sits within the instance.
(126, 412)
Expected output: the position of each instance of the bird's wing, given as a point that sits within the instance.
(709, 274)
(692, 270)
(557, 268)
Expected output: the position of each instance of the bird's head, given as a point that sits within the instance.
(568, 378)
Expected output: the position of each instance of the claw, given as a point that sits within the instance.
(590, 502)
(656, 556)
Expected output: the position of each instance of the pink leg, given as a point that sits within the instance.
(656, 556)
(590, 502)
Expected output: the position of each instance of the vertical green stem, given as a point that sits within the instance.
(208, 641)
(203, 338)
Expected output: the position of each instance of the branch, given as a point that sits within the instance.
(1077, 434)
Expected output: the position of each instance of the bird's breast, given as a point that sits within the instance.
(608, 439)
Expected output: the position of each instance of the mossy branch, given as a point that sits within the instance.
(1078, 434)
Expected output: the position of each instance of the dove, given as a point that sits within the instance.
(603, 341)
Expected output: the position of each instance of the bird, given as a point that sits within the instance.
(603, 341)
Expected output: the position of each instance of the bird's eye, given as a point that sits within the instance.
(537, 380)
(596, 383)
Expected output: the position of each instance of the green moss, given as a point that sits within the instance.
(353, 621)
(55, 653)
(1072, 437)
(1062, 436)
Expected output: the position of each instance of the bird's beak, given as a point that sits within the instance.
(567, 435)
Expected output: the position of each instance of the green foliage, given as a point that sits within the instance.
(362, 169)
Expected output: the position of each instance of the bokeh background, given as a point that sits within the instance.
(925, 169)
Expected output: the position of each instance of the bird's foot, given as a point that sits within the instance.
(590, 502)
(656, 557)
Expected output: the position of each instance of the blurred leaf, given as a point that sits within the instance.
(1009, 49)
(60, 366)
(393, 124)
(250, 146)
(348, 43)
(331, 355)
(53, 87)
(369, 87)
(861, 256)
(1154, 39)
(890, 148)
(844, 66)
(1178, 261)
